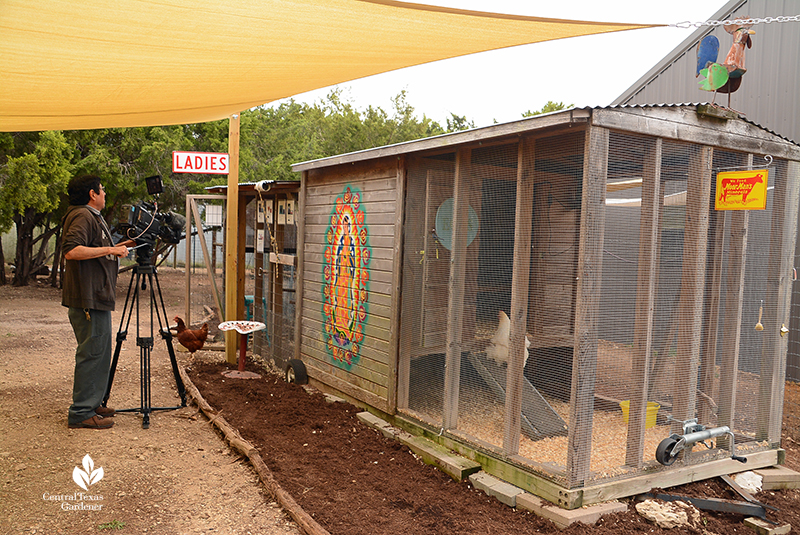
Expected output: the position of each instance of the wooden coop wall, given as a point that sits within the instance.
(635, 292)
(467, 223)
(348, 277)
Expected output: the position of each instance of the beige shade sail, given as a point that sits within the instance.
(67, 64)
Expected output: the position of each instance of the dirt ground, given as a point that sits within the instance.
(177, 477)
(180, 477)
(353, 480)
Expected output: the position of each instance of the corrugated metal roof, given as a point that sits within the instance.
(770, 89)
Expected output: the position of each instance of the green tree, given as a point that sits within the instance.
(36, 166)
(547, 108)
(273, 138)
(33, 185)
(457, 123)
(6, 220)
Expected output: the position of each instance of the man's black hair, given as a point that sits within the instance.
(79, 187)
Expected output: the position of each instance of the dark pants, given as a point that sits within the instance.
(92, 362)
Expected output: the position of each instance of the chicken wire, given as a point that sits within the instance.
(459, 269)
(276, 308)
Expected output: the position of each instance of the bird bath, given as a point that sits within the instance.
(243, 328)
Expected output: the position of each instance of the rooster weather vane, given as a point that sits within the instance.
(725, 77)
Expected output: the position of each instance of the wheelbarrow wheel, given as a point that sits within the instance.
(664, 451)
(296, 372)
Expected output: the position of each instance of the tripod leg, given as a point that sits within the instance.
(144, 380)
(122, 334)
(178, 381)
(145, 343)
(167, 336)
(120, 338)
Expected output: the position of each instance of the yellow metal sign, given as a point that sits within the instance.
(742, 190)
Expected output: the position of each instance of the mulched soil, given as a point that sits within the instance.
(353, 480)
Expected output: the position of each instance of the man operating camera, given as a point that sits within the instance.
(89, 291)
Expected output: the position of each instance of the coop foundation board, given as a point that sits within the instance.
(538, 478)
(411, 251)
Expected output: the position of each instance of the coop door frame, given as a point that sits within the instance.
(193, 212)
(438, 188)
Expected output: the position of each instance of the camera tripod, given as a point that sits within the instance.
(144, 272)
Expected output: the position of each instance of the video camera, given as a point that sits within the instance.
(146, 224)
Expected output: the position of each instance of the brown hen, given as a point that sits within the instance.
(191, 339)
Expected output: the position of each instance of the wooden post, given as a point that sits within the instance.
(647, 278)
(455, 303)
(299, 273)
(708, 348)
(738, 221)
(397, 267)
(187, 262)
(241, 245)
(590, 275)
(232, 295)
(520, 277)
(783, 236)
(690, 303)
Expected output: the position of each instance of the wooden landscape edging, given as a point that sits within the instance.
(303, 519)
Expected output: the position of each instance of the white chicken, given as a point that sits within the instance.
(497, 350)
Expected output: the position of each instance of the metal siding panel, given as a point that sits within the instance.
(771, 88)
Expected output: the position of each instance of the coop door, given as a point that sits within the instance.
(435, 263)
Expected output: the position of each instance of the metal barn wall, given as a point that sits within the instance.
(770, 88)
(768, 96)
(345, 331)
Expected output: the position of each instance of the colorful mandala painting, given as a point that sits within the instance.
(345, 280)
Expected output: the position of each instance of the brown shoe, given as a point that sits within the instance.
(95, 422)
(105, 412)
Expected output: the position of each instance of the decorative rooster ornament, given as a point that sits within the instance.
(725, 77)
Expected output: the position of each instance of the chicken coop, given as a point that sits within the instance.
(562, 298)
(266, 251)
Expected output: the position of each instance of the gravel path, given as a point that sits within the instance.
(177, 477)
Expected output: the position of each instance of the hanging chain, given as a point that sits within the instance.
(741, 21)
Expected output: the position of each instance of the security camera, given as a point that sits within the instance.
(263, 186)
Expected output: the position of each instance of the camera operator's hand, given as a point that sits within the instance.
(120, 251)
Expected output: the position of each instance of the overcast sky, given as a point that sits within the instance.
(500, 85)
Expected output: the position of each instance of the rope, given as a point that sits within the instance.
(272, 241)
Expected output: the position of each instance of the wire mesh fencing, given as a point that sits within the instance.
(506, 345)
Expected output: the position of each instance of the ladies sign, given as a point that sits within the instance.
(215, 163)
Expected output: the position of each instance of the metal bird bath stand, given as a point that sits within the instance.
(243, 328)
(143, 273)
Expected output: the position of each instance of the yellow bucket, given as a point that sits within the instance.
(652, 412)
